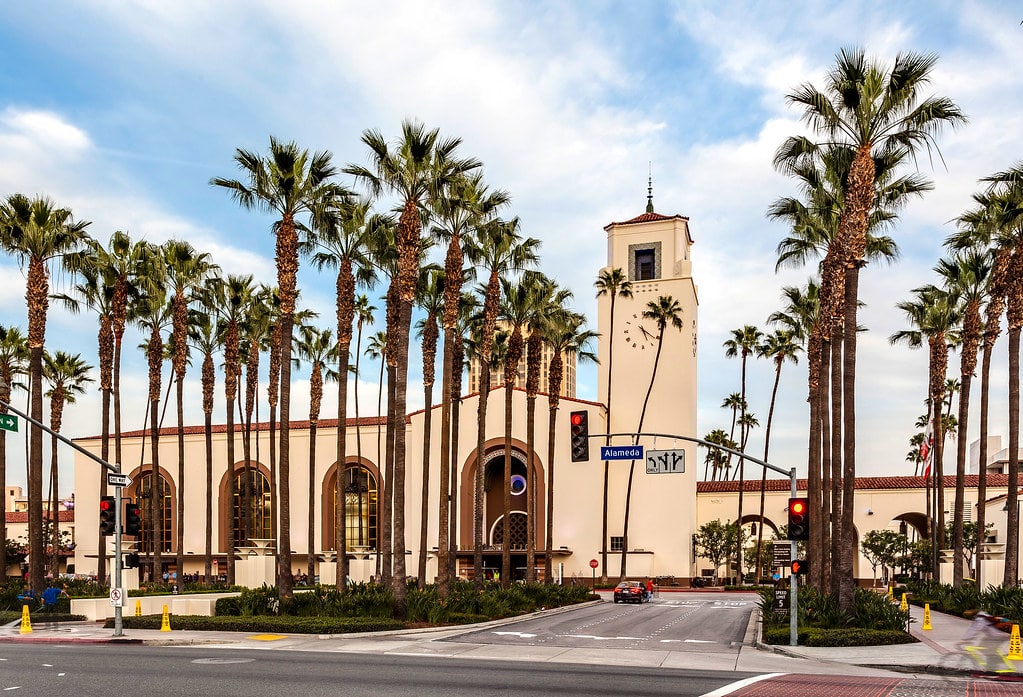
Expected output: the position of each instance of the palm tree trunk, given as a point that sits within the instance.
(208, 560)
(965, 380)
(1012, 536)
(340, 524)
(763, 478)
(506, 570)
(286, 580)
(985, 391)
(530, 490)
(457, 363)
(381, 457)
(54, 508)
(444, 496)
(814, 484)
(399, 585)
(179, 542)
(552, 423)
(311, 529)
(387, 505)
(837, 489)
(428, 395)
(847, 587)
(632, 463)
(477, 532)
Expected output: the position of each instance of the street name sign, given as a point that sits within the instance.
(117, 479)
(621, 452)
(9, 422)
(666, 461)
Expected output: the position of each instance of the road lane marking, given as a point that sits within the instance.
(521, 635)
(16, 687)
(602, 638)
(732, 687)
(700, 641)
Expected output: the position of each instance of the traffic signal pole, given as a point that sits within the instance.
(118, 616)
(790, 473)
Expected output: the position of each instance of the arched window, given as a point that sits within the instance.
(361, 497)
(144, 492)
(259, 512)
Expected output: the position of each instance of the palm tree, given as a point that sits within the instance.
(777, 347)
(663, 312)
(499, 250)
(344, 236)
(231, 300)
(207, 340)
(39, 234)
(612, 283)
(932, 315)
(515, 311)
(875, 111)
(466, 204)
(467, 306)
(1001, 210)
(716, 460)
(318, 349)
(742, 343)
(187, 269)
(96, 292)
(119, 263)
(737, 404)
(431, 300)
(548, 302)
(419, 167)
(564, 334)
(966, 276)
(67, 376)
(377, 350)
(152, 313)
(363, 316)
(288, 182)
(14, 356)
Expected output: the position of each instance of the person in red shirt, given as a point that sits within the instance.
(649, 589)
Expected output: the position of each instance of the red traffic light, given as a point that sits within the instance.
(577, 418)
(799, 506)
(106, 504)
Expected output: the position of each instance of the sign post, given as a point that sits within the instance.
(593, 568)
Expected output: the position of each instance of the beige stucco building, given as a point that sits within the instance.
(654, 250)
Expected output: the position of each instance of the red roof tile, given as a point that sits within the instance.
(971, 481)
(647, 218)
(22, 516)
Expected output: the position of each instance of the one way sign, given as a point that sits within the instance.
(666, 461)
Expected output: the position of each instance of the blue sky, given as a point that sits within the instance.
(123, 111)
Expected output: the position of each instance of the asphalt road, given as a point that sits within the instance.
(112, 669)
(676, 622)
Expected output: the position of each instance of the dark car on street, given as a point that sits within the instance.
(630, 592)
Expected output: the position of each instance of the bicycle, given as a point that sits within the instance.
(984, 658)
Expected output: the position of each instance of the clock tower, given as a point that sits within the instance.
(653, 252)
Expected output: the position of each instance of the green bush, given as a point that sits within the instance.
(1002, 601)
(227, 607)
(812, 636)
(264, 623)
(9, 616)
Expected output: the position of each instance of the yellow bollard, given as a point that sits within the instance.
(1015, 649)
(138, 608)
(904, 605)
(165, 624)
(927, 617)
(26, 621)
(891, 594)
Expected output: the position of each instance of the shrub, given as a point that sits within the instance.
(265, 623)
(812, 636)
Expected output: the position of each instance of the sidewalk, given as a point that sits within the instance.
(923, 657)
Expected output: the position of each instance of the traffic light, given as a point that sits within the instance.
(131, 561)
(107, 515)
(799, 519)
(132, 518)
(580, 436)
(799, 567)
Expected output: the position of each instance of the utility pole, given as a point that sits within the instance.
(116, 469)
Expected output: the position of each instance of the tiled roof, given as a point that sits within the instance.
(22, 516)
(239, 427)
(648, 218)
(862, 483)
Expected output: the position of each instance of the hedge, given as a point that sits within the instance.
(8, 616)
(838, 637)
(264, 623)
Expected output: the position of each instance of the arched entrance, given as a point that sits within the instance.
(361, 497)
(493, 510)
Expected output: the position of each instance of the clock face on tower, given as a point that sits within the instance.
(640, 333)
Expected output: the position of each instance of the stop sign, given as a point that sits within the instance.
(594, 563)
